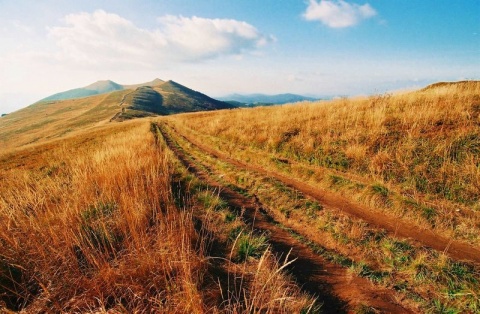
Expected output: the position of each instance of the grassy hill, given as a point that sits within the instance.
(99, 222)
(50, 119)
(100, 87)
(245, 210)
(413, 157)
(166, 98)
(426, 141)
(97, 88)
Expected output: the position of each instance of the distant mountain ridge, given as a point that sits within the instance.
(97, 88)
(262, 99)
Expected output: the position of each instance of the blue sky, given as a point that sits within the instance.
(311, 47)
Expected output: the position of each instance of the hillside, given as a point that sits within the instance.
(166, 98)
(51, 119)
(365, 205)
(435, 128)
(389, 181)
(97, 88)
(155, 82)
(98, 222)
(100, 87)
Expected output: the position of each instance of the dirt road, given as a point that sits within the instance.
(394, 226)
(339, 290)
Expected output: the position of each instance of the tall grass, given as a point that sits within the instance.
(425, 277)
(101, 233)
(92, 226)
(422, 145)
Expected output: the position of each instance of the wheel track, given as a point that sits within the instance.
(394, 226)
(340, 291)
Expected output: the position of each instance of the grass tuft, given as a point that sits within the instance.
(250, 245)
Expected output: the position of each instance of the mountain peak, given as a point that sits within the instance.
(104, 86)
(157, 81)
(153, 83)
(166, 98)
(99, 87)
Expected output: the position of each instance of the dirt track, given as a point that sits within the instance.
(455, 249)
(339, 290)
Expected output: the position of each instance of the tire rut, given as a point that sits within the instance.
(394, 226)
(338, 289)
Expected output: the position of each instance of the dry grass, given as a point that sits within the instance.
(425, 279)
(417, 155)
(49, 120)
(90, 224)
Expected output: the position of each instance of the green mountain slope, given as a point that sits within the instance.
(166, 98)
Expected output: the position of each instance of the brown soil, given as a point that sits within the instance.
(339, 290)
(394, 226)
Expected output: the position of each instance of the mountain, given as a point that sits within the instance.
(98, 104)
(166, 98)
(153, 83)
(262, 99)
(97, 88)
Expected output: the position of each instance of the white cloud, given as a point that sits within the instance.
(338, 14)
(200, 38)
(109, 40)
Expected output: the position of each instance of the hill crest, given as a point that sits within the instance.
(166, 98)
(462, 85)
(104, 86)
(97, 88)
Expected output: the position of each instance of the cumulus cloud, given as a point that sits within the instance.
(338, 14)
(103, 38)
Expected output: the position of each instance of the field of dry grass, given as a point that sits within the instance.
(415, 155)
(134, 216)
(96, 223)
(412, 156)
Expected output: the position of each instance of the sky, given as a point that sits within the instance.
(218, 47)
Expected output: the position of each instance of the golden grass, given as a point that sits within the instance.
(90, 224)
(424, 279)
(416, 154)
(44, 121)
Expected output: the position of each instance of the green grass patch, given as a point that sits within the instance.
(312, 208)
(98, 232)
(380, 190)
(98, 211)
(339, 181)
(230, 217)
(249, 245)
(211, 201)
